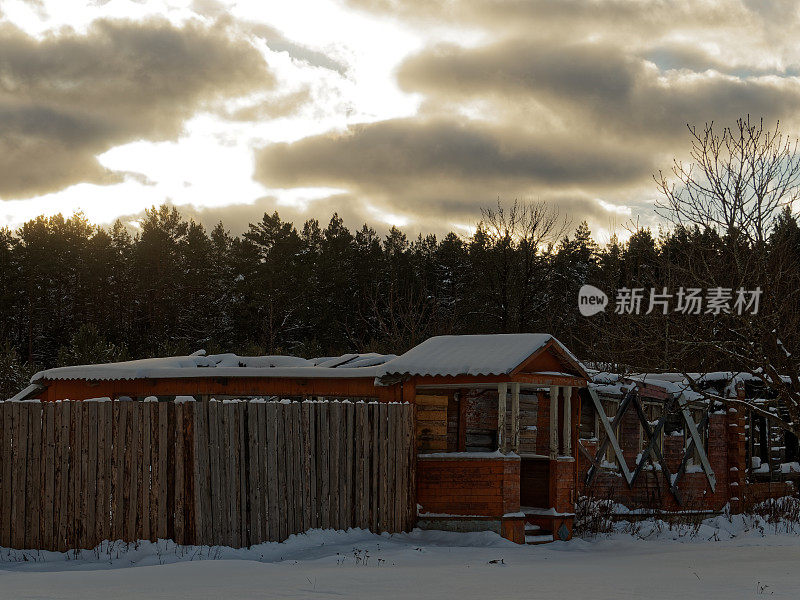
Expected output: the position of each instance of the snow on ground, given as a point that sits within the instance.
(720, 559)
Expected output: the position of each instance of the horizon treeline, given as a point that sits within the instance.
(75, 293)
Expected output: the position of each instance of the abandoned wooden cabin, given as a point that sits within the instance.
(649, 441)
(494, 421)
(463, 433)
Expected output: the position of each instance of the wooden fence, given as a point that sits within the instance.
(73, 474)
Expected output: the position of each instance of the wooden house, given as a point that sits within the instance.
(495, 416)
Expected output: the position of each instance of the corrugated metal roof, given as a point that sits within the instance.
(222, 365)
(453, 355)
(450, 355)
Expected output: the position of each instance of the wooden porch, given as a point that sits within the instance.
(499, 454)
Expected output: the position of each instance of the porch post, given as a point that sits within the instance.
(567, 421)
(502, 396)
(515, 417)
(553, 421)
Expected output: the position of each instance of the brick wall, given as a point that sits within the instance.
(630, 436)
(468, 486)
(764, 490)
(651, 489)
(736, 448)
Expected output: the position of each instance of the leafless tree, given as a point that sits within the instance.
(401, 320)
(536, 224)
(736, 182)
(522, 235)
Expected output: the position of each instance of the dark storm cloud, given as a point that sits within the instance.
(523, 66)
(397, 154)
(572, 100)
(68, 97)
(438, 172)
(604, 87)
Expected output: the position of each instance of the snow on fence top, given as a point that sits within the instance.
(453, 355)
(224, 365)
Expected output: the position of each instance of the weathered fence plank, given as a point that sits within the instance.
(90, 426)
(346, 503)
(376, 472)
(323, 469)
(215, 514)
(33, 478)
(56, 542)
(288, 467)
(63, 507)
(252, 474)
(5, 473)
(145, 472)
(297, 468)
(273, 488)
(334, 462)
(361, 436)
(163, 471)
(19, 458)
(235, 473)
(104, 459)
(384, 498)
(48, 472)
(281, 512)
(179, 509)
(309, 498)
(241, 447)
(263, 494)
(200, 473)
(233, 476)
(397, 469)
(135, 470)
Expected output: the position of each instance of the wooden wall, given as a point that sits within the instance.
(467, 421)
(232, 387)
(73, 474)
(432, 422)
(468, 486)
(481, 420)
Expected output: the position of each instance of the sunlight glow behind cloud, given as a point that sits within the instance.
(576, 103)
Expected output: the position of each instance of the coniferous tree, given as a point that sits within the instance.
(78, 293)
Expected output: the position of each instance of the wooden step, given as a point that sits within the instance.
(531, 527)
(542, 537)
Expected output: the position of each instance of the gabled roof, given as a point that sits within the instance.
(494, 354)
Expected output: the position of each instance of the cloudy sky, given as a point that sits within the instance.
(408, 112)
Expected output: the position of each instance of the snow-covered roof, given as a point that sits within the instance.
(224, 365)
(28, 392)
(674, 384)
(453, 355)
